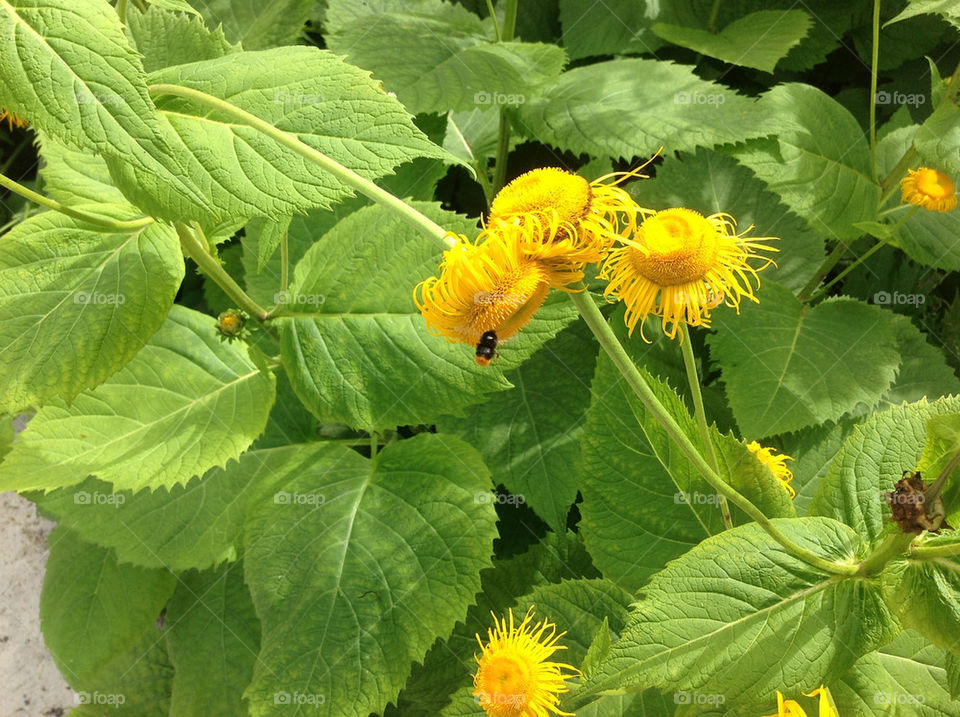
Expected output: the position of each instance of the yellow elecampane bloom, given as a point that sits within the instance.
(680, 265)
(564, 216)
(790, 708)
(12, 120)
(776, 463)
(514, 677)
(930, 189)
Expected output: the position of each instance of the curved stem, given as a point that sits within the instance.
(611, 345)
(693, 378)
(874, 61)
(831, 261)
(922, 552)
(43, 201)
(353, 180)
(196, 249)
(493, 17)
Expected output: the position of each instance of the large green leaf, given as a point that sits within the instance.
(197, 525)
(709, 183)
(947, 9)
(214, 637)
(78, 301)
(609, 28)
(529, 436)
(73, 176)
(327, 104)
(257, 24)
(186, 403)
(925, 594)
(644, 503)
(362, 354)
(786, 365)
(818, 162)
(758, 40)
(168, 38)
(624, 108)
(352, 590)
(441, 56)
(93, 609)
(739, 616)
(924, 372)
(871, 460)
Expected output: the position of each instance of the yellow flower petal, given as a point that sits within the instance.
(776, 464)
(513, 677)
(827, 708)
(787, 708)
(12, 120)
(930, 189)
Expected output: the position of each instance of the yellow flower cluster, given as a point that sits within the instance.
(547, 225)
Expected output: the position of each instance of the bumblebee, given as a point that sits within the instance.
(486, 348)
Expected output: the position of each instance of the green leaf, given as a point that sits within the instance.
(787, 366)
(78, 301)
(331, 106)
(953, 675)
(351, 590)
(166, 39)
(818, 162)
(362, 354)
(69, 70)
(136, 683)
(93, 609)
(738, 616)
(214, 637)
(258, 24)
(74, 177)
(924, 372)
(613, 27)
(185, 403)
(871, 460)
(943, 442)
(711, 183)
(175, 5)
(925, 594)
(530, 435)
(644, 503)
(938, 139)
(270, 236)
(947, 9)
(625, 108)
(758, 40)
(197, 525)
(441, 56)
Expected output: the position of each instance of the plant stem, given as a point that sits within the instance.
(611, 345)
(122, 11)
(933, 492)
(503, 137)
(874, 61)
(712, 22)
(493, 17)
(693, 378)
(922, 552)
(290, 141)
(196, 248)
(284, 263)
(832, 258)
(893, 545)
(43, 201)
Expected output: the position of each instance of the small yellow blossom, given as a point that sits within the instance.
(930, 189)
(776, 463)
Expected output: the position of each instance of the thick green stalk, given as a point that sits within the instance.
(693, 379)
(196, 248)
(611, 345)
(122, 11)
(930, 552)
(874, 61)
(43, 201)
(503, 138)
(353, 180)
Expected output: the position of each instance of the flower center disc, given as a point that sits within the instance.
(683, 246)
(506, 680)
(934, 184)
(543, 190)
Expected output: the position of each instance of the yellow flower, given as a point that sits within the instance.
(679, 265)
(12, 120)
(564, 215)
(513, 678)
(827, 708)
(490, 285)
(787, 708)
(929, 189)
(776, 464)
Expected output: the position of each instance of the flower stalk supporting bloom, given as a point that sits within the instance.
(514, 677)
